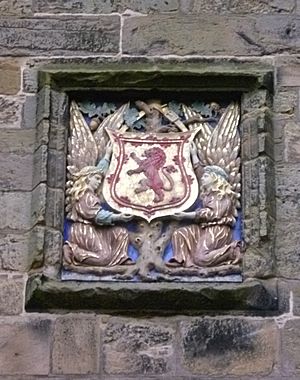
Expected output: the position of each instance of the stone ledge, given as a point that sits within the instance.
(200, 75)
(250, 297)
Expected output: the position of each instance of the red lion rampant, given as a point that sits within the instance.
(154, 161)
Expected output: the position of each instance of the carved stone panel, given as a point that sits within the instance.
(153, 191)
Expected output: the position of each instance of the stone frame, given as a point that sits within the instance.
(254, 80)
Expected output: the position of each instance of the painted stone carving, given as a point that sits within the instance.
(153, 191)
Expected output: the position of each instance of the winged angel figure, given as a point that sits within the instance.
(92, 240)
(208, 242)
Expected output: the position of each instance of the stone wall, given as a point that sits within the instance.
(93, 345)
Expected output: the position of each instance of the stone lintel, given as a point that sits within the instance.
(201, 75)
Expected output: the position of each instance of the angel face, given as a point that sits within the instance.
(207, 179)
(95, 181)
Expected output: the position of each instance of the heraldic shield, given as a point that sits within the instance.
(150, 174)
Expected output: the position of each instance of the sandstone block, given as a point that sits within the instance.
(29, 115)
(48, 36)
(287, 246)
(258, 261)
(138, 348)
(15, 8)
(59, 121)
(38, 204)
(75, 345)
(10, 76)
(55, 208)
(229, 347)
(19, 252)
(56, 169)
(16, 171)
(292, 142)
(288, 76)
(18, 141)
(39, 167)
(240, 6)
(102, 6)
(289, 296)
(288, 180)
(11, 297)
(252, 101)
(11, 108)
(52, 252)
(25, 348)
(290, 348)
(15, 210)
(171, 34)
(30, 79)
(285, 102)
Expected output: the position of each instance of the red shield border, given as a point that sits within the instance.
(149, 212)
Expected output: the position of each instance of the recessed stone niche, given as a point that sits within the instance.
(181, 91)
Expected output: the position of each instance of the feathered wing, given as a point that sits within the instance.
(113, 121)
(82, 150)
(82, 147)
(204, 134)
(223, 147)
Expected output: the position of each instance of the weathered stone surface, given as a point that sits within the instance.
(239, 6)
(42, 133)
(292, 142)
(285, 101)
(168, 34)
(288, 76)
(75, 345)
(52, 252)
(72, 36)
(103, 6)
(19, 252)
(38, 204)
(25, 346)
(19, 141)
(144, 298)
(287, 252)
(43, 104)
(258, 261)
(30, 79)
(22, 210)
(16, 171)
(256, 134)
(253, 100)
(59, 121)
(288, 179)
(289, 296)
(40, 165)
(56, 169)
(10, 76)
(15, 8)
(15, 210)
(143, 348)
(290, 348)
(288, 242)
(11, 297)
(224, 347)
(29, 116)
(55, 208)
(11, 108)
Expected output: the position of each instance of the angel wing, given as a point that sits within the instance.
(223, 147)
(113, 121)
(82, 147)
(203, 136)
(220, 146)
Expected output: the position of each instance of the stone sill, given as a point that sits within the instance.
(52, 295)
